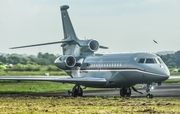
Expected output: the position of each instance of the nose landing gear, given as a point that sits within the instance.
(148, 90)
(126, 92)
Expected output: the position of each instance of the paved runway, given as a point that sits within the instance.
(165, 90)
(161, 91)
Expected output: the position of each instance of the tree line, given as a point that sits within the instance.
(172, 60)
(40, 59)
(15, 62)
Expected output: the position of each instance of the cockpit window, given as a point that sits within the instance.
(141, 60)
(159, 60)
(150, 60)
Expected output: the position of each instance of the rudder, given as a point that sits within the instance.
(69, 33)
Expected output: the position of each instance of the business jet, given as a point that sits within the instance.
(86, 68)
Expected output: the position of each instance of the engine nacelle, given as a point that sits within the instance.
(89, 45)
(65, 62)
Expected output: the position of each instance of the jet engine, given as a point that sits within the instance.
(89, 45)
(65, 62)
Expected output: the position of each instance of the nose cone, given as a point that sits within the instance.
(167, 71)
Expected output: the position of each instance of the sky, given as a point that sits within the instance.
(121, 25)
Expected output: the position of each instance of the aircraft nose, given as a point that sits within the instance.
(167, 71)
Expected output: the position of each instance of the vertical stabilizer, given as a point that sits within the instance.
(69, 33)
(69, 48)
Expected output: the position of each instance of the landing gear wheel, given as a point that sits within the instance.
(148, 90)
(149, 95)
(77, 91)
(80, 92)
(125, 92)
(122, 92)
(128, 93)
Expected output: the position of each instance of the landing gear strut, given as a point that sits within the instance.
(148, 90)
(125, 92)
(77, 91)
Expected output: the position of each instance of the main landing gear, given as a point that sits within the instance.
(125, 92)
(76, 91)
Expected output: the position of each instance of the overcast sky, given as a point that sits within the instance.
(122, 25)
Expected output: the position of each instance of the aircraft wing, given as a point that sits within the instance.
(76, 80)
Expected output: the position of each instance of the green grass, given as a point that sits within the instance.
(175, 73)
(88, 105)
(172, 81)
(33, 87)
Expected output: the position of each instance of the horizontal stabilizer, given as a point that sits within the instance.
(103, 47)
(49, 43)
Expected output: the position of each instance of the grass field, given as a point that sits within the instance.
(88, 105)
(79, 105)
(7, 87)
(33, 87)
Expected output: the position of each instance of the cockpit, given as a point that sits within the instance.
(153, 65)
(150, 60)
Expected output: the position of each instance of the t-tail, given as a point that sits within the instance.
(68, 29)
(71, 45)
(76, 47)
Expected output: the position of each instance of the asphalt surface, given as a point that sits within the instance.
(165, 90)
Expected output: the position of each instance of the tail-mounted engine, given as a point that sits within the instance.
(65, 62)
(89, 45)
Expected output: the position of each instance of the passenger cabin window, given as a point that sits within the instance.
(141, 60)
(150, 60)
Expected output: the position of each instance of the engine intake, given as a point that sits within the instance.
(93, 45)
(65, 61)
(89, 45)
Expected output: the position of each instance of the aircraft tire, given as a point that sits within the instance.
(128, 92)
(123, 92)
(80, 92)
(75, 93)
(149, 95)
